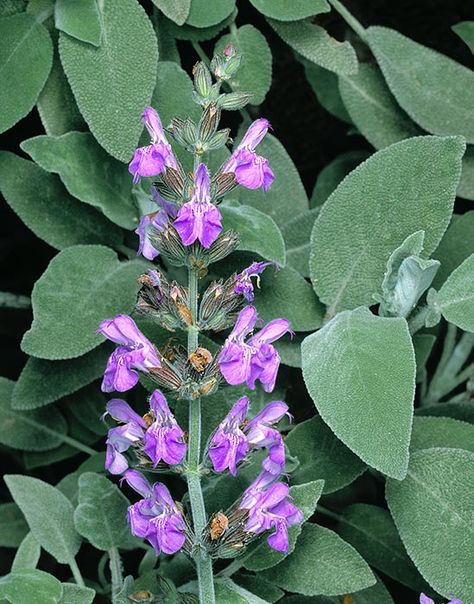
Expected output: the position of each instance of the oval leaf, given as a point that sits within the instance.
(455, 299)
(372, 362)
(407, 187)
(205, 14)
(291, 11)
(113, 83)
(79, 19)
(30, 585)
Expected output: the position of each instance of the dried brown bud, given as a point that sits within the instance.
(200, 359)
(219, 524)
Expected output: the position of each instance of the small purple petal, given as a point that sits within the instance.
(255, 133)
(153, 125)
(121, 411)
(138, 482)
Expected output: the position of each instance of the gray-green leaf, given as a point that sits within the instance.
(434, 90)
(429, 432)
(297, 233)
(112, 84)
(406, 187)
(176, 10)
(75, 594)
(456, 245)
(282, 10)
(80, 20)
(207, 14)
(30, 585)
(360, 371)
(26, 56)
(67, 311)
(49, 515)
(465, 30)
(28, 553)
(433, 510)
(13, 527)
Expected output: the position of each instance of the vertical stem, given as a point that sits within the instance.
(115, 571)
(348, 18)
(76, 573)
(198, 510)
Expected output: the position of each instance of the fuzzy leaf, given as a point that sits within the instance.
(207, 14)
(466, 184)
(322, 455)
(80, 20)
(176, 10)
(67, 311)
(324, 84)
(371, 360)
(291, 11)
(13, 527)
(315, 44)
(429, 432)
(75, 594)
(255, 72)
(321, 564)
(26, 56)
(43, 204)
(88, 173)
(456, 245)
(28, 554)
(297, 234)
(435, 91)
(112, 84)
(30, 585)
(49, 515)
(406, 187)
(433, 510)
(101, 514)
(465, 30)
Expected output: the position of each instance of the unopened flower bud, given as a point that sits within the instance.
(202, 79)
(208, 122)
(234, 100)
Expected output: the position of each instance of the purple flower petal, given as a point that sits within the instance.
(164, 439)
(255, 134)
(121, 411)
(138, 482)
(425, 600)
(228, 444)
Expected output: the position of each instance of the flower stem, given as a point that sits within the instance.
(76, 573)
(417, 321)
(116, 572)
(348, 18)
(202, 559)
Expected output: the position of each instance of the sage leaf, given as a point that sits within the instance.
(371, 359)
(229, 592)
(332, 174)
(406, 187)
(291, 11)
(257, 231)
(455, 299)
(49, 515)
(321, 564)
(297, 233)
(436, 499)
(446, 432)
(13, 527)
(88, 173)
(324, 84)
(456, 245)
(28, 554)
(461, 409)
(37, 430)
(197, 34)
(67, 311)
(26, 56)
(255, 72)
(466, 184)
(101, 516)
(176, 10)
(207, 14)
(114, 82)
(260, 587)
(435, 91)
(322, 455)
(315, 44)
(30, 585)
(43, 204)
(80, 20)
(75, 594)
(465, 30)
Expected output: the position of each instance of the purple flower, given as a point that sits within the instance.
(255, 359)
(121, 438)
(156, 220)
(164, 439)
(154, 158)
(425, 600)
(251, 170)
(135, 352)
(229, 445)
(233, 438)
(243, 282)
(156, 518)
(270, 507)
(199, 218)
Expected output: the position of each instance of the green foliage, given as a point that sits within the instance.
(80, 20)
(113, 83)
(432, 509)
(371, 360)
(30, 585)
(102, 287)
(176, 10)
(429, 432)
(54, 532)
(13, 528)
(456, 245)
(465, 30)
(332, 174)
(207, 14)
(407, 187)
(290, 11)
(28, 553)
(26, 56)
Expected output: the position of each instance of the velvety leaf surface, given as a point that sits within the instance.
(455, 299)
(255, 72)
(176, 10)
(466, 184)
(297, 234)
(206, 14)
(407, 187)
(371, 359)
(465, 30)
(315, 44)
(101, 516)
(462, 410)
(198, 34)
(286, 197)
(37, 500)
(435, 500)
(429, 432)
(434, 90)
(42, 382)
(259, 587)
(26, 56)
(114, 82)
(43, 204)
(37, 430)
(321, 564)
(282, 10)
(373, 109)
(324, 84)
(88, 173)
(423, 345)
(13, 527)
(229, 592)
(28, 554)
(456, 245)
(30, 585)
(322, 455)
(80, 20)
(287, 294)
(257, 231)
(371, 530)
(74, 594)
(332, 174)
(67, 311)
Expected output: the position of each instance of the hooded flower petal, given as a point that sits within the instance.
(243, 282)
(228, 444)
(121, 411)
(164, 439)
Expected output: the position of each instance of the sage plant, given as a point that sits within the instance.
(186, 230)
